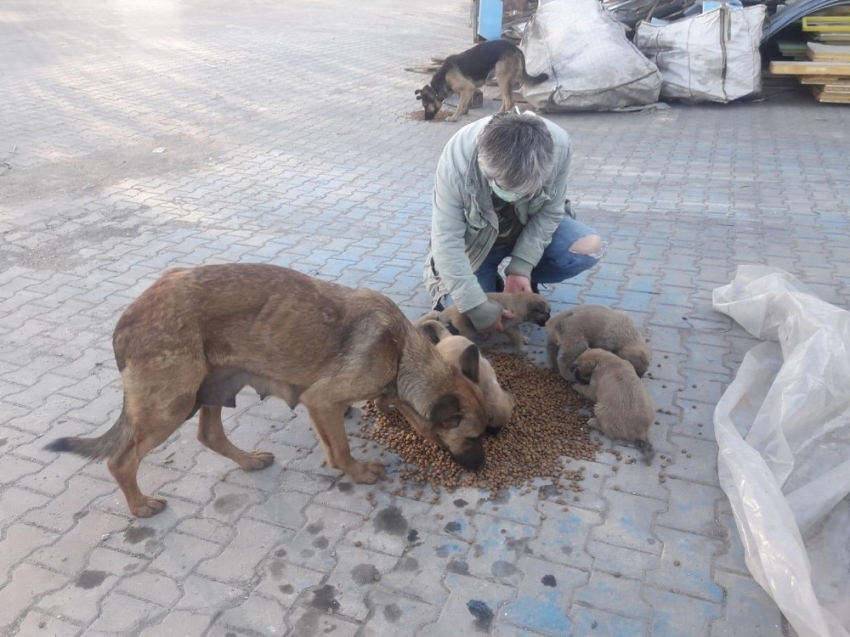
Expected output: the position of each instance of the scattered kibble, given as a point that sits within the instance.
(545, 432)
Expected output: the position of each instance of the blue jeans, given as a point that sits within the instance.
(556, 264)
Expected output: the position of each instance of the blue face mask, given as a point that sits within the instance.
(504, 195)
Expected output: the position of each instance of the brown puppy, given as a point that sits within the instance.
(573, 331)
(623, 409)
(527, 307)
(499, 403)
(197, 336)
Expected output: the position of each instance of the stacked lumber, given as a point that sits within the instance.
(826, 71)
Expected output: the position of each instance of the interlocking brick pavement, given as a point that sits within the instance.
(287, 140)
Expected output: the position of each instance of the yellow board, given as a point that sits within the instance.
(841, 69)
(828, 52)
(827, 23)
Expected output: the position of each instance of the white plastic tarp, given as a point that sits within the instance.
(709, 57)
(783, 432)
(590, 62)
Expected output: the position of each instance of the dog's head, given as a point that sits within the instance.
(539, 311)
(499, 403)
(638, 355)
(456, 419)
(584, 366)
(430, 101)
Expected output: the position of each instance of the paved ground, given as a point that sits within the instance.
(286, 140)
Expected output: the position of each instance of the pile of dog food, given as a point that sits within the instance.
(548, 424)
(419, 115)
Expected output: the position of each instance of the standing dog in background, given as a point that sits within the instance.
(464, 72)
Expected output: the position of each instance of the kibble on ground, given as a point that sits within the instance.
(548, 427)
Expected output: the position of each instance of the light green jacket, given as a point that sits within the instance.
(464, 225)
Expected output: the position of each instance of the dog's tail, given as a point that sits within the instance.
(100, 447)
(646, 448)
(532, 80)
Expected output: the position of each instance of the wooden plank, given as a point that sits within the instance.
(831, 98)
(822, 79)
(780, 67)
(828, 52)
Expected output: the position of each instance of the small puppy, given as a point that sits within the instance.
(498, 403)
(573, 331)
(526, 306)
(623, 409)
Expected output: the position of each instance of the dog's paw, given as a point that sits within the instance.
(150, 505)
(257, 460)
(452, 118)
(365, 472)
(526, 339)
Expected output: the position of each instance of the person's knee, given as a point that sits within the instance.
(590, 245)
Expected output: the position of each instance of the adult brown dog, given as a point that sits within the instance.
(623, 409)
(527, 307)
(573, 331)
(499, 403)
(196, 337)
(463, 72)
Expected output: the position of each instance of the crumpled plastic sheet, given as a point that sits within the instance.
(783, 432)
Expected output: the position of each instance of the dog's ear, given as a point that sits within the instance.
(434, 331)
(445, 412)
(470, 362)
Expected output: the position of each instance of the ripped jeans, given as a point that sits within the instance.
(556, 264)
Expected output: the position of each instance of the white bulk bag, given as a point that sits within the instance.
(590, 62)
(710, 57)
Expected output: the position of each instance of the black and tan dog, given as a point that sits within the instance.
(197, 336)
(464, 72)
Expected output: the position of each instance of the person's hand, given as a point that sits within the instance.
(497, 326)
(516, 283)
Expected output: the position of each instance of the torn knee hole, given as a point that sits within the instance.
(591, 245)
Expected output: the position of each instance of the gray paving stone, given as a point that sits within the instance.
(253, 541)
(629, 523)
(540, 605)
(27, 581)
(36, 622)
(125, 615)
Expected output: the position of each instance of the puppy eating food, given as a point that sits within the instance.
(197, 336)
(464, 72)
(573, 331)
(499, 403)
(527, 307)
(622, 409)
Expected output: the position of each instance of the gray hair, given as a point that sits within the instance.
(517, 152)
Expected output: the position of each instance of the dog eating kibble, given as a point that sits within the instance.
(549, 423)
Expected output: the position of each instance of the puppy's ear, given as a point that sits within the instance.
(433, 331)
(470, 362)
(445, 412)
